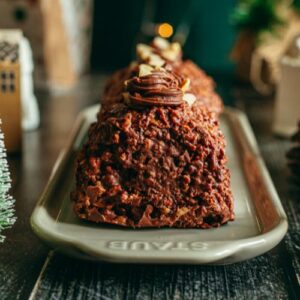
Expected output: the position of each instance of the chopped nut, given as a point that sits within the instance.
(176, 47)
(172, 52)
(143, 51)
(156, 61)
(181, 211)
(169, 54)
(160, 69)
(161, 43)
(145, 70)
(166, 210)
(185, 85)
(189, 98)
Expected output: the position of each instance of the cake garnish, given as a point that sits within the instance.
(159, 53)
(186, 84)
(170, 51)
(155, 86)
(189, 98)
(145, 70)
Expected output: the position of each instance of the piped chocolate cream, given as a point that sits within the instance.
(159, 87)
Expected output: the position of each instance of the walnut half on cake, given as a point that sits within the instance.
(155, 159)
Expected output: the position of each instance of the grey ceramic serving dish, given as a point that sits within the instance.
(259, 226)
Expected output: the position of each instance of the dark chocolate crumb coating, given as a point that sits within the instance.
(156, 167)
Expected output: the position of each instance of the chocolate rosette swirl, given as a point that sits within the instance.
(160, 88)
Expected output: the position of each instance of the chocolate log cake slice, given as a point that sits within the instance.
(155, 159)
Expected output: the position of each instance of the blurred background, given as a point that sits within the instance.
(105, 32)
(203, 27)
(70, 38)
(52, 44)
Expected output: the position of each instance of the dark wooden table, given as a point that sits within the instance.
(30, 269)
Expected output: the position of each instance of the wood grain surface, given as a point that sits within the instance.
(28, 269)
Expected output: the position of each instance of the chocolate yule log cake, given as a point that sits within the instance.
(156, 155)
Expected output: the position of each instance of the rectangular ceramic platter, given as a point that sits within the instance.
(260, 221)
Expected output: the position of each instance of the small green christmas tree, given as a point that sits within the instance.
(296, 4)
(257, 15)
(7, 218)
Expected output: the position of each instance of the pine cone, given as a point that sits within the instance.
(293, 155)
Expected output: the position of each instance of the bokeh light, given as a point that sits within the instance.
(165, 30)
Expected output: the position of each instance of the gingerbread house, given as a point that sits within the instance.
(10, 91)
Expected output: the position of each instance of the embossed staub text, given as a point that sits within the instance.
(156, 246)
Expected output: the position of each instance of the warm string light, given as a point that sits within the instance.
(165, 30)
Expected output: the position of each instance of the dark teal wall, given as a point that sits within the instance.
(117, 24)
(212, 36)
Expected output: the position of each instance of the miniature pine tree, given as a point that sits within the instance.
(296, 4)
(7, 218)
(257, 15)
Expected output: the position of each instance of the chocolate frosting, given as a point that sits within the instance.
(159, 88)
